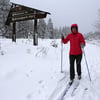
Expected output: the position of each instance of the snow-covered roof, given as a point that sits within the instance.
(24, 13)
(37, 4)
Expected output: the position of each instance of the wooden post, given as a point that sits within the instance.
(14, 32)
(35, 33)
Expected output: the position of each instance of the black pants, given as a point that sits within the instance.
(78, 59)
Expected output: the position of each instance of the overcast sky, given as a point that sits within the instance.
(67, 12)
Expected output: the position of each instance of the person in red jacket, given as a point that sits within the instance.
(77, 42)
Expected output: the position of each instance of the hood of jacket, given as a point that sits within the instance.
(74, 25)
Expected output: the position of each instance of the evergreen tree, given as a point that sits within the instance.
(22, 27)
(98, 23)
(42, 28)
(66, 31)
(50, 29)
(4, 9)
(56, 32)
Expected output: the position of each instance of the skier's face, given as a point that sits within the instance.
(74, 30)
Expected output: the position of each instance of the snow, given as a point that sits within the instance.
(38, 4)
(30, 72)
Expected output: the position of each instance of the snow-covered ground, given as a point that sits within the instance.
(30, 72)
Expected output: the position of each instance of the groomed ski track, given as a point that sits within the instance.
(86, 89)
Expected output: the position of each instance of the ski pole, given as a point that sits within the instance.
(87, 65)
(61, 56)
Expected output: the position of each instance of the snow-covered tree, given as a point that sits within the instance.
(56, 32)
(4, 10)
(50, 28)
(66, 30)
(97, 25)
(23, 28)
(42, 28)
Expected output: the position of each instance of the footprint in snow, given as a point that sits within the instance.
(40, 82)
(29, 96)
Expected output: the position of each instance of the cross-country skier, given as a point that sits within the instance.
(77, 42)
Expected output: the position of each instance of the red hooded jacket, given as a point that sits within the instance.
(75, 42)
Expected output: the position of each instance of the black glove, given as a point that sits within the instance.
(82, 45)
(62, 37)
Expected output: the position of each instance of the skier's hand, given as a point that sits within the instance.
(62, 37)
(82, 45)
